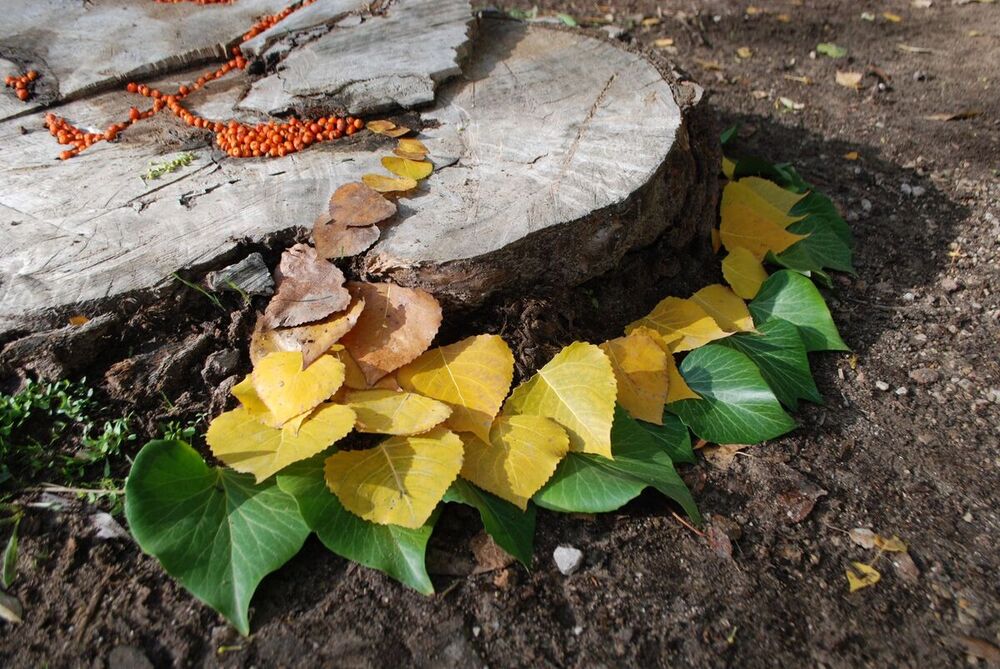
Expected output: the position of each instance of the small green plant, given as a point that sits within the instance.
(50, 431)
(177, 430)
(212, 297)
(157, 170)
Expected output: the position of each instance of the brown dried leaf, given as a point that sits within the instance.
(722, 456)
(309, 289)
(357, 205)
(411, 149)
(489, 556)
(336, 240)
(313, 339)
(397, 325)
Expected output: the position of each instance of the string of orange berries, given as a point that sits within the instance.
(22, 85)
(237, 139)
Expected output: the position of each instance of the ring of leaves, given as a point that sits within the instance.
(588, 432)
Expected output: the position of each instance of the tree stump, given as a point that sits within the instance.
(556, 152)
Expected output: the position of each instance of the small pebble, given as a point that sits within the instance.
(924, 375)
(949, 284)
(901, 391)
(568, 559)
(882, 385)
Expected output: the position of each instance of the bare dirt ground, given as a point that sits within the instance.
(907, 443)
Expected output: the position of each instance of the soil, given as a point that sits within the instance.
(766, 584)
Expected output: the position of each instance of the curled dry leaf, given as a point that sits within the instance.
(333, 239)
(313, 339)
(413, 149)
(357, 205)
(413, 169)
(387, 128)
(397, 325)
(309, 289)
(860, 575)
(849, 79)
(384, 184)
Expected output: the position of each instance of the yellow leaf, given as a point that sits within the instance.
(726, 307)
(392, 412)
(409, 169)
(683, 324)
(862, 576)
(288, 390)
(894, 18)
(240, 440)
(640, 367)
(413, 149)
(398, 482)
(891, 545)
(354, 378)
(728, 167)
(384, 184)
(754, 216)
(313, 339)
(744, 52)
(520, 456)
(577, 390)
(387, 128)
(663, 42)
(472, 376)
(784, 18)
(78, 320)
(744, 272)
(852, 155)
(248, 397)
(677, 387)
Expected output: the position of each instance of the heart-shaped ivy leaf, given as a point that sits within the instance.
(793, 297)
(586, 483)
(395, 550)
(212, 529)
(512, 529)
(673, 437)
(777, 350)
(736, 406)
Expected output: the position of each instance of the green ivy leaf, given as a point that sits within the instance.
(585, 483)
(793, 297)
(819, 205)
(728, 134)
(212, 529)
(396, 551)
(828, 244)
(511, 528)
(777, 350)
(736, 406)
(673, 436)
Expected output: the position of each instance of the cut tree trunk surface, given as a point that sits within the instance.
(556, 152)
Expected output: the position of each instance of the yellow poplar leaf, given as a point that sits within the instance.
(354, 378)
(640, 367)
(248, 397)
(861, 576)
(392, 412)
(520, 456)
(849, 79)
(683, 324)
(576, 389)
(313, 339)
(387, 128)
(406, 168)
(726, 307)
(744, 272)
(891, 545)
(384, 184)
(677, 387)
(728, 167)
(398, 482)
(413, 149)
(473, 376)
(754, 215)
(288, 390)
(240, 440)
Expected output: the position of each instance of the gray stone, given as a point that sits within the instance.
(568, 559)
(220, 364)
(128, 657)
(924, 375)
